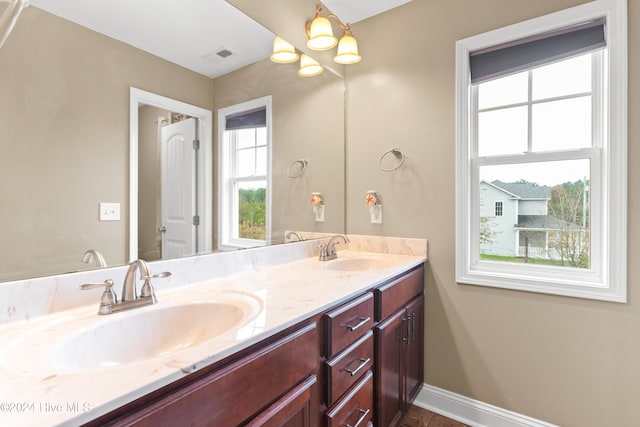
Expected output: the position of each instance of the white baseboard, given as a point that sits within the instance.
(470, 411)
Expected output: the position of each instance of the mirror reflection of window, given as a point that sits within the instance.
(249, 180)
(245, 175)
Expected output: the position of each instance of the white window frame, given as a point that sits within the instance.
(606, 279)
(227, 217)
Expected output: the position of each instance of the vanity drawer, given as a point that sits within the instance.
(348, 323)
(395, 294)
(347, 367)
(356, 408)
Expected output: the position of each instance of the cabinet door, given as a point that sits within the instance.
(415, 349)
(291, 410)
(390, 337)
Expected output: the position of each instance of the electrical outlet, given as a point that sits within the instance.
(109, 211)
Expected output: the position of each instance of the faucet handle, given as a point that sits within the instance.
(107, 284)
(157, 276)
(147, 289)
(322, 255)
(108, 297)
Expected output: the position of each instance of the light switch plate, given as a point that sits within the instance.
(109, 211)
(318, 212)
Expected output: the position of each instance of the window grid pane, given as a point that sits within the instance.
(543, 217)
(250, 209)
(247, 157)
(555, 114)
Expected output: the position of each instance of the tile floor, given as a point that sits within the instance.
(418, 417)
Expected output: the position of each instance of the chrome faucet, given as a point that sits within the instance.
(93, 255)
(328, 250)
(129, 292)
(129, 299)
(294, 233)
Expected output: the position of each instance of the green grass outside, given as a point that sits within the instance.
(519, 259)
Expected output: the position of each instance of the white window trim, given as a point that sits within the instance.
(609, 280)
(225, 216)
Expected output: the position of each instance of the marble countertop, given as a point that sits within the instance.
(37, 392)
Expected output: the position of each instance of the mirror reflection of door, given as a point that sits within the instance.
(179, 199)
(170, 182)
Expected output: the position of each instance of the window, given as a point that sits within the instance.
(498, 210)
(541, 126)
(244, 150)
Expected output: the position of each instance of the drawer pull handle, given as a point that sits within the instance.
(363, 363)
(362, 417)
(363, 321)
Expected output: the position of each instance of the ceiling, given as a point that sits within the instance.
(351, 11)
(192, 36)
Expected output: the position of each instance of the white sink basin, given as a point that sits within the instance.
(92, 341)
(357, 264)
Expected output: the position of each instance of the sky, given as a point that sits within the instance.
(544, 173)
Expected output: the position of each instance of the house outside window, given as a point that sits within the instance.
(244, 174)
(541, 120)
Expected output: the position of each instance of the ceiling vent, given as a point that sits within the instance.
(217, 55)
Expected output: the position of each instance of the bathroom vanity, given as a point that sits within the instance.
(331, 343)
(320, 368)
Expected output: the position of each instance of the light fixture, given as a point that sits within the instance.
(309, 67)
(283, 52)
(320, 35)
(347, 49)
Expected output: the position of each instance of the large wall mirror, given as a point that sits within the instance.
(66, 144)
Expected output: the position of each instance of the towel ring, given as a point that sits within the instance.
(397, 153)
(303, 167)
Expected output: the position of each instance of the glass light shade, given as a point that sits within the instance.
(321, 34)
(347, 50)
(283, 52)
(309, 67)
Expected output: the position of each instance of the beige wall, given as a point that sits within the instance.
(308, 123)
(567, 361)
(64, 144)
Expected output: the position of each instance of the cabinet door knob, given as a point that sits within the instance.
(362, 417)
(363, 321)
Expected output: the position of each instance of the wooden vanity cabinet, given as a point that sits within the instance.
(358, 364)
(274, 385)
(399, 346)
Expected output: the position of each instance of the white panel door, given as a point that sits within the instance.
(178, 189)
